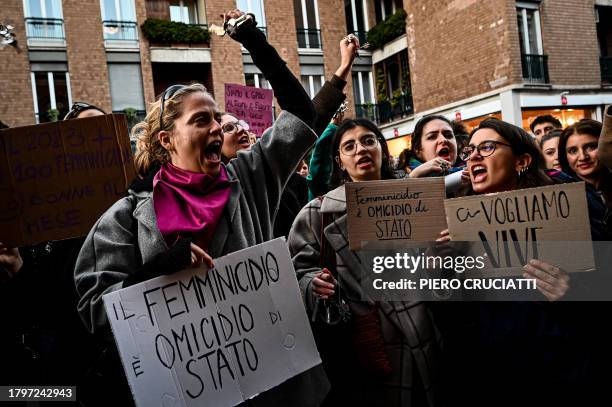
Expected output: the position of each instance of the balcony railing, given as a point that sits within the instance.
(45, 28)
(385, 111)
(606, 69)
(120, 30)
(535, 68)
(309, 38)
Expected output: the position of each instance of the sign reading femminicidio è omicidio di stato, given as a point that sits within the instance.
(215, 338)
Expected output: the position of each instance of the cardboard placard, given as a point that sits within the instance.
(56, 179)
(253, 105)
(549, 223)
(215, 338)
(393, 212)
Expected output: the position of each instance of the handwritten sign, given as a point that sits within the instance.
(395, 211)
(215, 338)
(253, 105)
(56, 179)
(549, 223)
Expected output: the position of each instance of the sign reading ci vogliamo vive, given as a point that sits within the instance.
(56, 179)
(217, 337)
(549, 223)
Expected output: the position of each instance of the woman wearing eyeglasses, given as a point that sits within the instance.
(393, 361)
(502, 157)
(531, 353)
(199, 208)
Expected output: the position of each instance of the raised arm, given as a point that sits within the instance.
(288, 90)
(331, 95)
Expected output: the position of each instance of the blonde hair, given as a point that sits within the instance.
(148, 147)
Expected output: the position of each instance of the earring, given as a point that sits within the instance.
(521, 172)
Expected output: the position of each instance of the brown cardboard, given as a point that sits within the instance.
(56, 179)
(550, 223)
(392, 212)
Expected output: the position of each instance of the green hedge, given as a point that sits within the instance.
(388, 30)
(169, 32)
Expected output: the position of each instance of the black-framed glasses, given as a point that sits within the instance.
(369, 142)
(232, 127)
(168, 93)
(485, 149)
(79, 107)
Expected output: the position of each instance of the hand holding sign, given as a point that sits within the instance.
(199, 257)
(551, 281)
(10, 259)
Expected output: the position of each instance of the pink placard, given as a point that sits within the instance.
(253, 105)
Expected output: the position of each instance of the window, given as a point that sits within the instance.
(530, 35)
(257, 80)
(356, 17)
(256, 7)
(363, 88)
(119, 20)
(385, 9)
(51, 91)
(118, 10)
(533, 60)
(184, 11)
(307, 23)
(44, 19)
(312, 84)
(126, 86)
(43, 8)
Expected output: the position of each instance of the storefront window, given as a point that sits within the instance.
(567, 117)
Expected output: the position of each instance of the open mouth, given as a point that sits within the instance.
(444, 152)
(364, 161)
(478, 172)
(244, 142)
(212, 152)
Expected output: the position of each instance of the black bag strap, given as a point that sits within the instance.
(327, 257)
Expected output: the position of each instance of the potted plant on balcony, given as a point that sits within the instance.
(166, 32)
(130, 115)
(388, 30)
(53, 115)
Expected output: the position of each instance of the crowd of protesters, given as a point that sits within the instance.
(206, 188)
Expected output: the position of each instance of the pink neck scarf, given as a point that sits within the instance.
(189, 204)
